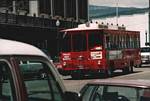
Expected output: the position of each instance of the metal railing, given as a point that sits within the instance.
(31, 21)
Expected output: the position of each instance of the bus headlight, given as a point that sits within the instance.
(66, 57)
(64, 63)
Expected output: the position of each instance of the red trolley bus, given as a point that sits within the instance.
(98, 48)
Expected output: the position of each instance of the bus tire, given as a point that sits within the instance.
(131, 69)
(138, 65)
(126, 70)
(108, 73)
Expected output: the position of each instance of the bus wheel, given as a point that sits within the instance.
(125, 70)
(138, 65)
(108, 73)
(128, 69)
(131, 69)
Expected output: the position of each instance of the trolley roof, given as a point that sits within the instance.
(97, 26)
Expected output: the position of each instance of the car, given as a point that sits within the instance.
(47, 53)
(116, 90)
(145, 55)
(26, 74)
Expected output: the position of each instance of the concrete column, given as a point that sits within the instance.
(88, 10)
(52, 11)
(149, 22)
(14, 6)
(77, 11)
(34, 7)
(65, 9)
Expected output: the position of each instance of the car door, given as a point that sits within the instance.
(38, 80)
(7, 82)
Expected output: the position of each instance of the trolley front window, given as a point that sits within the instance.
(74, 42)
(95, 40)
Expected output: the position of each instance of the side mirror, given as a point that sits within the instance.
(71, 96)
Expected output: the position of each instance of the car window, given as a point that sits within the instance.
(7, 92)
(98, 94)
(39, 81)
(87, 94)
(127, 92)
(144, 94)
(121, 93)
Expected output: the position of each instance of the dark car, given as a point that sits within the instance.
(26, 74)
(116, 90)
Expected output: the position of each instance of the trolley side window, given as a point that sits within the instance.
(116, 41)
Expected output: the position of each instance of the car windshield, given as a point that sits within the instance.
(116, 93)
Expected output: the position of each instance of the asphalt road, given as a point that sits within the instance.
(76, 85)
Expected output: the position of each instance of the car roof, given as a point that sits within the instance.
(123, 82)
(10, 47)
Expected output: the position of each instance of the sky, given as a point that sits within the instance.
(121, 3)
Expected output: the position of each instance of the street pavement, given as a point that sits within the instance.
(76, 85)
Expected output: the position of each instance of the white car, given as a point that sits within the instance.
(145, 55)
(116, 90)
(26, 74)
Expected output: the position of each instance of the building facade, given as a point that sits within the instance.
(34, 21)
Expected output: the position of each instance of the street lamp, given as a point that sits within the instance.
(57, 37)
(57, 23)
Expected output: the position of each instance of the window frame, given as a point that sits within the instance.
(12, 77)
(50, 66)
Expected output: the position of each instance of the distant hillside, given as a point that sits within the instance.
(104, 11)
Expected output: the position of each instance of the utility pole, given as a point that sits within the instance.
(117, 4)
(148, 43)
(149, 21)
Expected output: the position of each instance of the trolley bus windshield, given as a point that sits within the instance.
(81, 41)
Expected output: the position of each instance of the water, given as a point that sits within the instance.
(136, 22)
